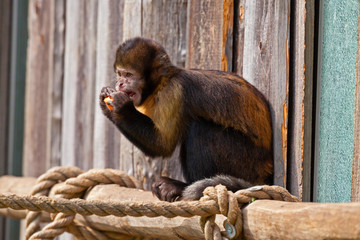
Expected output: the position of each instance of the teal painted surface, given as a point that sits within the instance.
(336, 138)
(17, 99)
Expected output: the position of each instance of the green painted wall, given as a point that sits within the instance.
(336, 136)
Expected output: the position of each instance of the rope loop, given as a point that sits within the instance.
(229, 207)
(76, 183)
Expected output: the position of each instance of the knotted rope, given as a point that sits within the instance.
(216, 200)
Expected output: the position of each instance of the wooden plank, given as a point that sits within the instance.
(131, 28)
(267, 219)
(79, 98)
(160, 20)
(205, 34)
(227, 36)
(37, 85)
(355, 183)
(106, 135)
(56, 81)
(264, 62)
(301, 87)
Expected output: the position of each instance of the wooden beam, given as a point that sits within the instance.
(267, 219)
(262, 219)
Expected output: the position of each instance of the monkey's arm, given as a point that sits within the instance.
(137, 127)
(141, 131)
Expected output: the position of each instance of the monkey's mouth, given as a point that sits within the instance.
(130, 94)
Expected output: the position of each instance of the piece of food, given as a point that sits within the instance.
(108, 101)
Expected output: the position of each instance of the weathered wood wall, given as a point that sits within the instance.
(71, 53)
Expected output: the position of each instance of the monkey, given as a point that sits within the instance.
(221, 122)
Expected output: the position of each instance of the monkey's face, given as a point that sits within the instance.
(131, 83)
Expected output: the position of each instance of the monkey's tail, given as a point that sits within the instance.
(195, 190)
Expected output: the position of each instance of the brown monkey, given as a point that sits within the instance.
(221, 121)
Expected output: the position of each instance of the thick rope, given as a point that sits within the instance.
(216, 200)
(42, 188)
(76, 184)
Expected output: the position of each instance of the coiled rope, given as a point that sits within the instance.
(67, 203)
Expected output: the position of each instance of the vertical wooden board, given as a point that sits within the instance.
(239, 36)
(165, 22)
(297, 80)
(265, 64)
(37, 84)
(227, 36)
(79, 83)
(131, 28)
(109, 36)
(301, 82)
(205, 34)
(355, 182)
(56, 81)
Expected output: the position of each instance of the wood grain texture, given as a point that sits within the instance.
(37, 81)
(205, 34)
(165, 22)
(300, 125)
(355, 182)
(227, 36)
(56, 81)
(129, 155)
(267, 219)
(109, 35)
(79, 83)
(263, 60)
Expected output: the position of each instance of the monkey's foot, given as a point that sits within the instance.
(168, 189)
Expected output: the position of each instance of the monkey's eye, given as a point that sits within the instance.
(128, 74)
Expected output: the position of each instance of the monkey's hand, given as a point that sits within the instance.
(120, 99)
(106, 92)
(168, 189)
